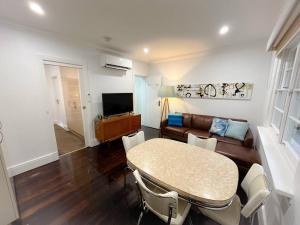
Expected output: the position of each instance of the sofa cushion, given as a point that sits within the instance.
(175, 120)
(187, 120)
(201, 122)
(219, 126)
(237, 129)
(241, 120)
(198, 133)
(178, 131)
(241, 155)
(228, 140)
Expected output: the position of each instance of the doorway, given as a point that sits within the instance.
(65, 107)
(147, 102)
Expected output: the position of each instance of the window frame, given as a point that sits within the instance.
(280, 77)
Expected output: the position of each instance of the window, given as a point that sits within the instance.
(286, 106)
(292, 130)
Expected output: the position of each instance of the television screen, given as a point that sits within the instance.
(117, 103)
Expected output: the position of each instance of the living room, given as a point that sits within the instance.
(140, 65)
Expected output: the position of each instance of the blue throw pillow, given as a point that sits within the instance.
(219, 126)
(175, 120)
(237, 129)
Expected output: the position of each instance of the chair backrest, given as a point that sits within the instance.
(159, 203)
(254, 171)
(131, 141)
(209, 143)
(257, 192)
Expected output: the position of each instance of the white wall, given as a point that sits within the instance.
(24, 110)
(296, 202)
(140, 68)
(279, 210)
(239, 63)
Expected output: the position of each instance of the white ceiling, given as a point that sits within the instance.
(167, 27)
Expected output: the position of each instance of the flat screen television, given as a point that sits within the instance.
(117, 103)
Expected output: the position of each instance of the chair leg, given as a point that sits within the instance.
(140, 218)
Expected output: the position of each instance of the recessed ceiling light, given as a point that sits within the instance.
(146, 50)
(36, 8)
(224, 30)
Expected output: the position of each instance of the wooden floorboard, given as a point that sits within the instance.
(85, 188)
(67, 141)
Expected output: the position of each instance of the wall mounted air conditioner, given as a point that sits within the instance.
(118, 63)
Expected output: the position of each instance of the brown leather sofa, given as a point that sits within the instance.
(242, 152)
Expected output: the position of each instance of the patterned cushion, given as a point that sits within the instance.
(219, 126)
(175, 120)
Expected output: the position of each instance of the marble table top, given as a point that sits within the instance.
(193, 172)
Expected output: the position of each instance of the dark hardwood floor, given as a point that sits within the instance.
(85, 188)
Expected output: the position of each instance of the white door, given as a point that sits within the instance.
(56, 95)
(140, 97)
(152, 102)
(71, 91)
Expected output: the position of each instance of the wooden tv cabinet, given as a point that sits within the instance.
(117, 126)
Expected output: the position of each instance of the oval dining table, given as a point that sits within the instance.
(200, 176)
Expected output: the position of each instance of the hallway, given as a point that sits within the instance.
(67, 141)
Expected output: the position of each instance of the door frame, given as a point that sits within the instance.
(84, 90)
(143, 113)
(152, 119)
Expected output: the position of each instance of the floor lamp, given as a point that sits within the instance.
(166, 92)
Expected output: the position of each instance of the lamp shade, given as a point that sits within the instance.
(166, 91)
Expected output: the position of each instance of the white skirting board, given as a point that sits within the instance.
(94, 142)
(31, 164)
(62, 125)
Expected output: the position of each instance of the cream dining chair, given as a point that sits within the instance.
(166, 206)
(256, 187)
(133, 140)
(129, 142)
(208, 143)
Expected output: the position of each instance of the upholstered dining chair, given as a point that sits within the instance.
(133, 140)
(167, 206)
(256, 187)
(208, 143)
(253, 172)
(129, 142)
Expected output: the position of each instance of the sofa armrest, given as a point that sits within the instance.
(163, 124)
(248, 141)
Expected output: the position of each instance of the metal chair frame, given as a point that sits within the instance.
(127, 167)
